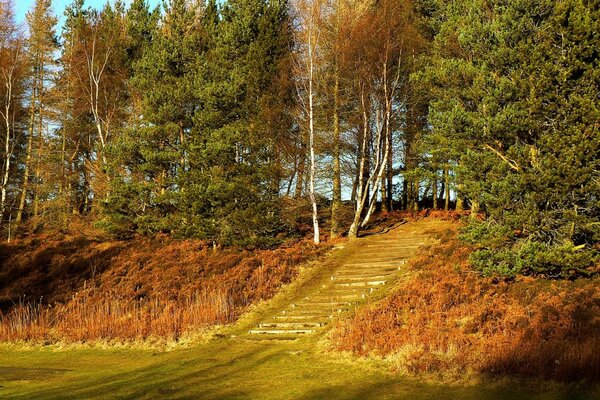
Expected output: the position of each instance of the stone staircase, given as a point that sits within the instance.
(373, 264)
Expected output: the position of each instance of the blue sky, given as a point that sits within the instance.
(22, 6)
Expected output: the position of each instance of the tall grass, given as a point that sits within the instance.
(148, 288)
(90, 317)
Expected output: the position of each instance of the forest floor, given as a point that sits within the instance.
(231, 364)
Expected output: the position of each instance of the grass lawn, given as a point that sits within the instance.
(234, 369)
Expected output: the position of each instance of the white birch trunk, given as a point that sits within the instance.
(311, 129)
(8, 82)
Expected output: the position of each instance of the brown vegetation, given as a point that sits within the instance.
(61, 288)
(447, 319)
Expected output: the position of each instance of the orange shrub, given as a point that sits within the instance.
(78, 289)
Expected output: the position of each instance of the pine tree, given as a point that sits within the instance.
(509, 82)
(234, 158)
(42, 43)
(153, 153)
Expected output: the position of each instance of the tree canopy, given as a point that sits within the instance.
(244, 121)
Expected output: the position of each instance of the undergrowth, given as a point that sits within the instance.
(448, 320)
(74, 289)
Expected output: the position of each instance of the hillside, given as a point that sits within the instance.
(62, 288)
(234, 361)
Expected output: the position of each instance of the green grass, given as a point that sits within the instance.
(233, 369)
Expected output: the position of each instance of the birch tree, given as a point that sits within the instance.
(307, 61)
(11, 70)
(105, 74)
(383, 39)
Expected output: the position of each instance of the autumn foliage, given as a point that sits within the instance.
(446, 319)
(79, 289)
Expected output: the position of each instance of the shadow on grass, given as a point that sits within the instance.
(235, 369)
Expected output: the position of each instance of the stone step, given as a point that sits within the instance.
(343, 273)
(368, 253)
(349, 297)
(366, 267)
(341, 287)
(346, 290)
(360, 283)
(271, 338)
(394, 245)
(281, 331)
(373, 263)
(322, 304)
(413, 239)
(302, 318)
(396, 239)
(384, 250)
(308, 308)
(304, 311)
(311, 317)
(293, 325)
(359, 278)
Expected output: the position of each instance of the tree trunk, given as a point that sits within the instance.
(447, 184)
(362, 191)
(311, 129)
(292, 177)
(404, 193)
(26, 172)
(8, 83)
(336, 204)
(474, 208)
(434, 186)
(301, 169)
(415, 194)
(459, 200)
(390, 175)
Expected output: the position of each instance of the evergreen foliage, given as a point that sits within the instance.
(515, 92)
(201, 118)
(201, 160)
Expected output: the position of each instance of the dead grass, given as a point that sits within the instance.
(77, 289)
(446, 319)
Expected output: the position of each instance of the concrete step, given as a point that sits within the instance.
(369, 266)
(309, 317)
(281, 331)
(305, 311)
(336, 291)
(271, 338)
(347, 272)
(394, 245)
(411, 238)
(340, 288)
(366, 267)
(322, 304)
(360, 283)
(308, 308)
(292, 325)
(368, 254)
(376, 263)
(348, 297)
(362, 276)
(301, 317)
